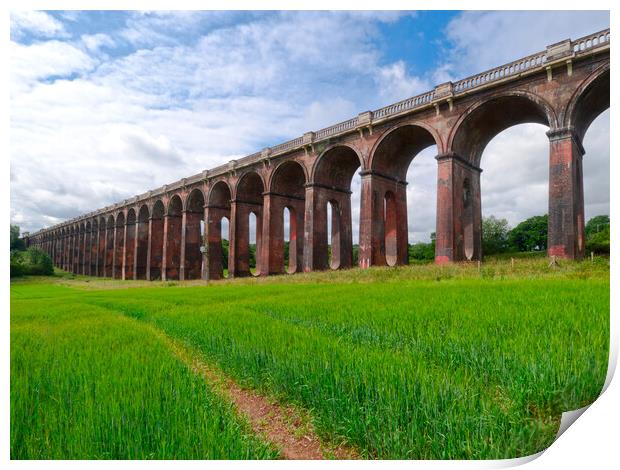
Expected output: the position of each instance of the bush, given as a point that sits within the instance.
(599, 242)
(17, 263)
(33, 262)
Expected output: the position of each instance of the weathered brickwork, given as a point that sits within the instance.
(174, 232)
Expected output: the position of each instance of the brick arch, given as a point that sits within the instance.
(194, 215)
(398, 146)
(220, 194)
(218, 208)
(336, 166)
(250, 186)
(591, 98)
(193, 198)
(485, 119)
(282, 178)
(330, 187)
(248, 200)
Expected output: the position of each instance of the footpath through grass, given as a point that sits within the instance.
(420, 362)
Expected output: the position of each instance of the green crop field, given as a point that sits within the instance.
(419, 362)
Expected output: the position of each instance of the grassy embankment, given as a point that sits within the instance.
(416, 362)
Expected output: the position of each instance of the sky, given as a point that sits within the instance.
(106, 105)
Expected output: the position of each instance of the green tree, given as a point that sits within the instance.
(598, 234)
(596, 224)
(529, 235)
(494, 235)
(16, 242)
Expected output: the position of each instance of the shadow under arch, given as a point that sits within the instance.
(194, 217)
(330, 204)
(218, 208)
(174, 226)
(248, 202)
(287, 190)
(459, 203)
(384, 235)
(156, 238)
(142, 241)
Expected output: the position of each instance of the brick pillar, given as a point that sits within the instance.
(94, 262)
(459, 216)
(124, 252)
(148, 250)
(213, 268)
(379, 247)
(566, 232)
(164, 256)
(316, 225)
(129, 259)
(87, 251)
(136, 234)
(183, 245)
(76, 253)
(173, 238)
(192, 260)
(272, 257)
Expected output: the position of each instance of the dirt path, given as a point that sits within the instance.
(285, 427)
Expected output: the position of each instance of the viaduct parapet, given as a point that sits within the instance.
(174, 232)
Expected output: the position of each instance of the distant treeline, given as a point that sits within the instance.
(31, 261)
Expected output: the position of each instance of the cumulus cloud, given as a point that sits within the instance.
(37, 23)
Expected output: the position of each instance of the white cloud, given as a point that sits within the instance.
(37, 23)
(94, 42)
(396, 84)
(39, 61)
(484, 39)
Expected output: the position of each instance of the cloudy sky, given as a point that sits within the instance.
(107, 105)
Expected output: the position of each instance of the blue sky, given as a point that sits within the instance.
(106, 105)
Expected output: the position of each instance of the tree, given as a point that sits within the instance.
(598, 234)
(494, 235)
(596, 224)
(16, 242)
(529, 235)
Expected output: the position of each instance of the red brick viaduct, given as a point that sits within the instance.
(157, 235)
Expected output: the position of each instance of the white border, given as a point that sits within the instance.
(590, 442)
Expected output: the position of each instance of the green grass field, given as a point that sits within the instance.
(418, 362)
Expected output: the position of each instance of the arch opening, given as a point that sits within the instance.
(401, 156)
(511, 126)
(109, 248)
(142, 242)
(130, 245)
(174, 225)
(94, 247)
(248, 224)
(101, 250)
(333, 225)
(157, 240)
(87, 248)
(255, 223)
(287, 192)
(119, 246)
(218, 208)
(194, 216)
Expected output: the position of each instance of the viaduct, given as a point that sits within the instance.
(174, 232)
